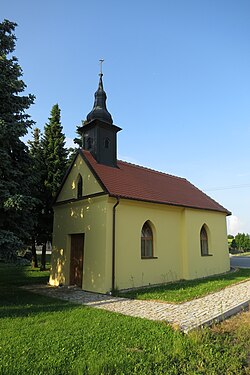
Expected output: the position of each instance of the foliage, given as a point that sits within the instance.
(36, 153)
(42, 230)
(187, 290)
(73, 339)
(78, 142)
(78, 139)
(54, 159)
(16, 202)
(233, 244)
(9, 245)
(55, 153)
(242, 241)
(50, 159)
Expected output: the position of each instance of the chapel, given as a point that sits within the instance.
(118, 225)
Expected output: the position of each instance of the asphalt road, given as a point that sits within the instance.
(240, 261)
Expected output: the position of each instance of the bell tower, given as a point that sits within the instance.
(98, 131)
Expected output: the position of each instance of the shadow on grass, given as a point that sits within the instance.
(15, 275)
(16, 302)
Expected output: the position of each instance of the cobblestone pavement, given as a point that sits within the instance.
(188, 315)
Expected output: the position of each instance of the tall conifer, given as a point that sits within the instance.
(39, 235)
(55, 152)
(55, 161)
(16, 203)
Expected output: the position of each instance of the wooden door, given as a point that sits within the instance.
(76, 259)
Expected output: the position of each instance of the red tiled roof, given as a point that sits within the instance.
(136, 182)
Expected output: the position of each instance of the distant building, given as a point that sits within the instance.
(119, 225)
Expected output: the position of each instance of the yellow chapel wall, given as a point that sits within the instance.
(90, 184)
(195, 265)
(131, 270)
(88, 217)
(176, 234)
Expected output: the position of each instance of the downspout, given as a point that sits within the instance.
(113, 243)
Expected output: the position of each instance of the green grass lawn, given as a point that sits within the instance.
(41, 335)
(186, 290)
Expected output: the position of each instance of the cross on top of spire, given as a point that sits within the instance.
(99, 110)
(101, 62)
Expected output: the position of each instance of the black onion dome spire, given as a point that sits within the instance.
(99, 111)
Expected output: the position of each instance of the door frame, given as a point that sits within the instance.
(72, 277)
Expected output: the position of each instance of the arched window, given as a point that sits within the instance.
(79, 186)
(204, 241)
(146, 241)
(107, 142)
(89, 143)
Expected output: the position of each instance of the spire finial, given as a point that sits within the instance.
(99, 110)
(101, 62)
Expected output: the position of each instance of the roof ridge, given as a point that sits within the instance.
(137, 184)
(151, 169)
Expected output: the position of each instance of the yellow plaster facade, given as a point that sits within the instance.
(69, 188)
(87, 216)
(176, 238)
(90, 218)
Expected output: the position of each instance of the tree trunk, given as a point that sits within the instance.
(43, 258)
(34, 255)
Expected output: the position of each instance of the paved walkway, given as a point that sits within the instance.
(188, 315)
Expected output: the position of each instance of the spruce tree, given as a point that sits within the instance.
(78, 139)
(55, 162)
(55, 152)
(78, 142)
(16, 203)
(38, 191)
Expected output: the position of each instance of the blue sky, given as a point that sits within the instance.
(177, 77)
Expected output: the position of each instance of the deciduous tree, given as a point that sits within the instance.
(242, 241)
